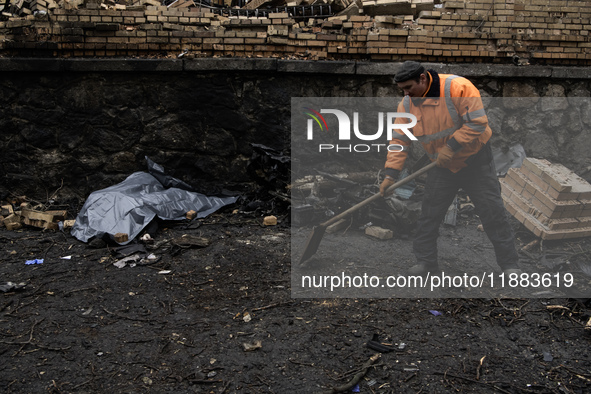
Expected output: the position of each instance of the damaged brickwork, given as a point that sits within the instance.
(519, 31)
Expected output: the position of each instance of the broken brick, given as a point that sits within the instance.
(121, 237)
(270, 220)
(378, 232)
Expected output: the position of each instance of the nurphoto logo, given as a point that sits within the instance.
(347, 129)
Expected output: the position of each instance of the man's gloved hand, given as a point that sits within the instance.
(386, 183)
(444, 157)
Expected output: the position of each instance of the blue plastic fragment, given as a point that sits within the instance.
(355, 388)
(435, 313)
(36, 261)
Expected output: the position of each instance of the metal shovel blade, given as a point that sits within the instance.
(313, 242)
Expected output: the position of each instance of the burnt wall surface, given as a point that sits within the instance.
(80, 125)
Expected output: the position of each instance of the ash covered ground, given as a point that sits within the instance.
(221, 318)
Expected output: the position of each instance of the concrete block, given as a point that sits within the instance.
(378, 232)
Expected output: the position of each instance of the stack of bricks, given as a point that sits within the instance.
(541, 31)
(549, 199)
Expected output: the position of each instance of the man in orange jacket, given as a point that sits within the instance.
(453, 129)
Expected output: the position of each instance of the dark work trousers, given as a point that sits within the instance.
(479, 181)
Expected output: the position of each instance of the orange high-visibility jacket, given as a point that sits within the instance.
(451, 113)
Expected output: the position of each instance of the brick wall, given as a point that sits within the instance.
(554, 32)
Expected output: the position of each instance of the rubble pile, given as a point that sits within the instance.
(383, 30)
(22, 8)
(39, 8)
(317, 198)
(14, 216)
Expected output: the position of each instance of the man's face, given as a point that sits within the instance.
(413, 88)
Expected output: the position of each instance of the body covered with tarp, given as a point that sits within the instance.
(130, 205)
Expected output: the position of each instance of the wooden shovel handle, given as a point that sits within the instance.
(377, 195)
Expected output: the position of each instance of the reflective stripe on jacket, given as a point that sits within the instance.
(454, 117)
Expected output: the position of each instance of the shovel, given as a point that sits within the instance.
(318, 231)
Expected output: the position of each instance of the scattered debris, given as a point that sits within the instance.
(452, 213)
(249, 347)
(512, 158)
(11, 286)
(479, 368)
(411, 368)
(378, 347)
(379, 233)
(146, 238)
(300, 8)
(35, 261)
(270, 220)
(128, 250)
(357, 377)
(121, 238)
(192, 214)
(530, 245)
(25, 214)
(435, 313)
(66, 224)
(317, 198)
(124, 261)
(270, 168)
(190, 241)
(302, 215)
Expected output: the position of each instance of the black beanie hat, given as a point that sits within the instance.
(409, 70)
